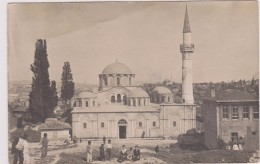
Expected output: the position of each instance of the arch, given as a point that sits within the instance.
(118, 98)
(122, 122)
(113, 99)
(80, 103)
(118, 80)
(125, 100)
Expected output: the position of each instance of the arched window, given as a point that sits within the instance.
(139, 102)
(118, 81)
(80, 103)
(113, 99)
(94, 103)
(174, 123)
(158, 99)
(85, 125)
(130, 81)
(169, 99)
(74, 104)
(102, 124)
(154, 124)
(86, 103)
(134, 103)
(140, 124)
(124, 99)
(118, 98)
(144, 102)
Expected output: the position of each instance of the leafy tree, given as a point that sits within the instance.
(40, 96)
(67, 84)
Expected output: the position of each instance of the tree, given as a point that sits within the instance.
(67, 84)
(54, 95)
(40, 95)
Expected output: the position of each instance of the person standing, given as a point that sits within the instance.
(20, 150)
(44, 142)
(137, 154)
(104, 139)
(102, 153)
(109, 149)
(157, 149)
(89, 152)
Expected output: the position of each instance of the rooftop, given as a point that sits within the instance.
(54, 124)
(117, 68)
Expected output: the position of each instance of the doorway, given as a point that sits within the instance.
(122, 132)
(122, 128)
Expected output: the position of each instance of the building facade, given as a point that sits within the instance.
(229, 115)
(122, 110)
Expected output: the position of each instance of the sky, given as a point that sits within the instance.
(145, 36)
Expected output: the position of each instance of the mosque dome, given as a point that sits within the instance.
(117, 68)
(138, 92)
(87, 95)
(162, 90)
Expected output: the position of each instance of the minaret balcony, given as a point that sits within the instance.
(187, 47)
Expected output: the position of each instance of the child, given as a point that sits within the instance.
(109, 149)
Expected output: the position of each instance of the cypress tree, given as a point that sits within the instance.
(67, 84)
(54, 96)
(40, 95)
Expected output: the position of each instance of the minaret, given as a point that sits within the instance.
(187, 49)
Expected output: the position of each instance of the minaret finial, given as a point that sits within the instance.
(186, 27)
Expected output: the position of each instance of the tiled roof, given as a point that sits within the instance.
(233, 95)
(111, 108)
(117, 68)
(54, 124)
(87, 95)
(137, 92)
(162, 90)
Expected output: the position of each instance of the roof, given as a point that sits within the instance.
(87, 95)
(186, 26)
(117, 68)
(115, 108)
(137, 92)
(233, 95)
(21, 109)
(54, 124)
(162, 90)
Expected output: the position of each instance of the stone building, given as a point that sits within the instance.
(120, 109)
(229, 115)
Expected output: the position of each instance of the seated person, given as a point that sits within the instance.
(137, 153)
(122, 154)
(131, 154)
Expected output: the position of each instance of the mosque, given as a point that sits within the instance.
(120, 109)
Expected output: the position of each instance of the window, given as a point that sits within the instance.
(113, 99)
(234, 137)
(174, 123)
(235, 112)
(225, 112)
(256, 112)
(74, 104)
(118, 98)
(245, 112)
(253, 133)
(154, 124)
(80, 103)
(125, 100)
(144, 102)
(118, 81)
(86, 103)
(139, 102)
(169, 99)
(85, 125)
(94, 103)
(130, 81)
(140, 124)
(105, 80)
(102, 124)
(134, 103)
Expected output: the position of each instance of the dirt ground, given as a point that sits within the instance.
(61, 153)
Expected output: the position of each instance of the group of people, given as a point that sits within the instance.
(21, 151)
(134, 154)
(235, 144)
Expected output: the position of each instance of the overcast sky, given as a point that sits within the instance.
(143, 35)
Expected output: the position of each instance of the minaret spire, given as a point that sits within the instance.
(186, 26)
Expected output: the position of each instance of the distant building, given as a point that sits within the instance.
(229, 115)
(55, 129)
(120, 109)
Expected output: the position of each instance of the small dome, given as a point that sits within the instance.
(87, 95)
(138, 92)
(162, 90)
(117, 68)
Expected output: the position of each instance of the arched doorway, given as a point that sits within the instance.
(122, 124)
